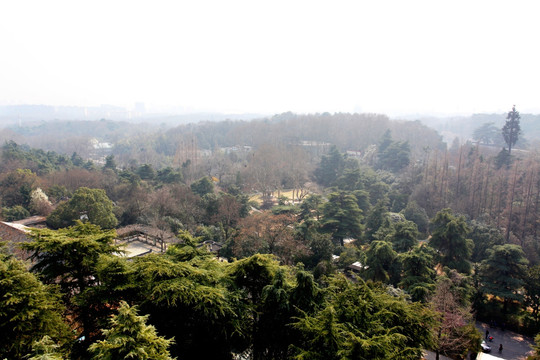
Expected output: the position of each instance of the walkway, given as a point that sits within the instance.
(515, 346)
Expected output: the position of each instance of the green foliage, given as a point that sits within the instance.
(448, 238)
(376, 218)
(321, 248)
(15, 213)
(16, 187)
(404, 237)
(188, 301)
(488, 134)
(350, 255)
(92, 204)
(130, 338)
(342, 217)
(393, 155)
(69, 257)
(503, 159)
(271, 337)
(330, 168)
(532, 292)
(381, 262)
(511, 129)
(29, 310)
(413, 212)
(203, 186)
(484, 238)
(361, 322)
(46, 349)
(503, 272)
(58, 192)
(254, 273)
(169, 176)
(418, 278)
(396, 156)
(536, 348)
(110, 164)
(311, 206)
(37, 160)
(146, 172)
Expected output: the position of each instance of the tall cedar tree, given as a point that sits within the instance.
(69, 257)
(130, 338)
(503, 273)
(342, 217)
(29, 310)
(511, 129)
(448, 238)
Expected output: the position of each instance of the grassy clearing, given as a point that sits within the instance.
(286, 193)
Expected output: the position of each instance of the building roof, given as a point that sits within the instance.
(20, 227)
(32, 220)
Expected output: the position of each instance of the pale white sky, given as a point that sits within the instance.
(393, 57)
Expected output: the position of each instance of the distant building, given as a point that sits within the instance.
(139, 240)
(211, 246)
(357, 267)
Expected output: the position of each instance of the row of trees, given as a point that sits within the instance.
(371, 208)
(253, 306)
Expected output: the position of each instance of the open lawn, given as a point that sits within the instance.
(286, 193)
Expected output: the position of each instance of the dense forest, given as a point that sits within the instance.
(341, 236)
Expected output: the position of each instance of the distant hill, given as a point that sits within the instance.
(24, 114)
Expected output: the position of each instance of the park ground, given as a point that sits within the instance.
(515, 346)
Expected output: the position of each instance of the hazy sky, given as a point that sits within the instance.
(393, 57)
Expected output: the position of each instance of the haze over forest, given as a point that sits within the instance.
(284, 180)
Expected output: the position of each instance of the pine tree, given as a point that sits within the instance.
(342, 217)
(448, 238)
(28, 309)
(418, 277)
(503, 273)
(511, 129)
(130, 338)
(69, 258)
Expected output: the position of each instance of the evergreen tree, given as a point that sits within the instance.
(272, 335)
(342, 217)
(110, 164)
(511, 129)
(362, 322)
(385, 142)
(449, 239)
(405, 236)
(203, 186)
(46, 349)
(193, 298)
(396, 156)
(330, 168)
(503, 158)
(484, 238)
(69, 257)
(418, 277)
(29, 310)
(130, 338)
(503, 273)
(488, 134)
(381, 262)
(532, 292)
(413, 212)
(146, 172)
(376, 218)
